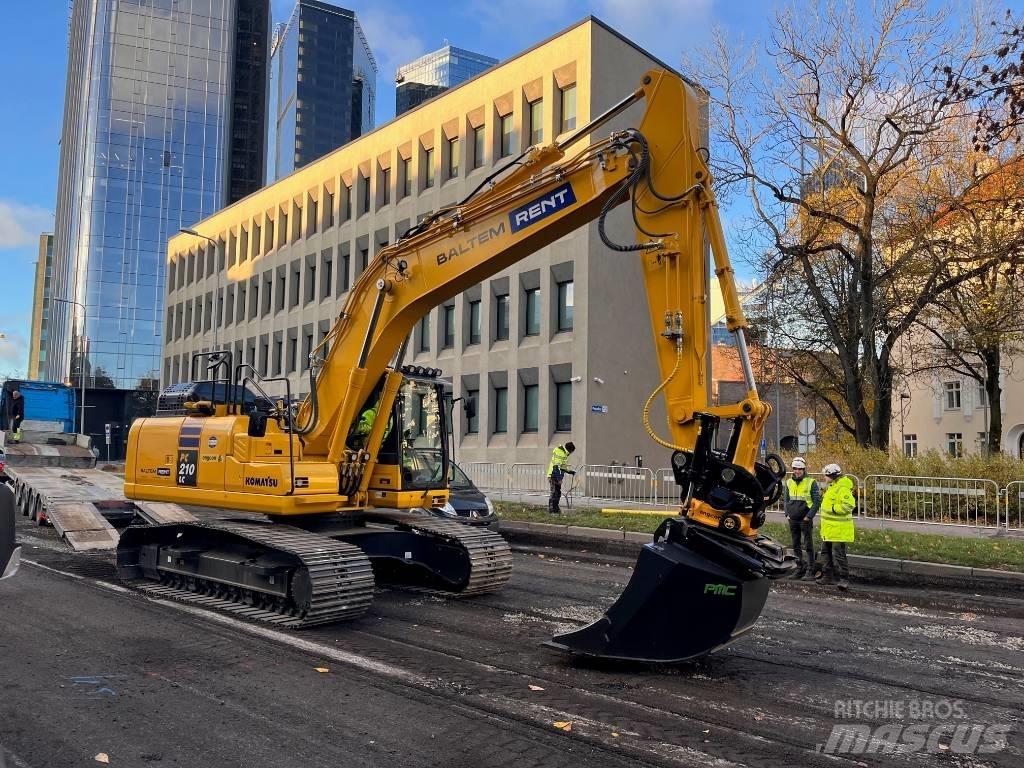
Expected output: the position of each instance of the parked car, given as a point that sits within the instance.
(466, 502)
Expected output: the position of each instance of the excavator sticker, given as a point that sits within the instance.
(723, 590)
(530, 213)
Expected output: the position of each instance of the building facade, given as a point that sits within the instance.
(436, 72)
(550, 349)
(40, 306)
(323, 86)
(147, 147)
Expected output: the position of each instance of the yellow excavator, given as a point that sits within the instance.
(341, 479)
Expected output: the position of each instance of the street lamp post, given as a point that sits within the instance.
(81, 361)
(216, 295)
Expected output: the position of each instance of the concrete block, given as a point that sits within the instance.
(991, 574)
(604, 534)
(937, 569)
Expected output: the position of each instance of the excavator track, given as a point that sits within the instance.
(336, 578)
(488, 556)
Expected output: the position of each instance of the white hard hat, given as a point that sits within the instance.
(798, 463)
(832, 470)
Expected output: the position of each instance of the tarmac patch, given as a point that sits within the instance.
(968, 636)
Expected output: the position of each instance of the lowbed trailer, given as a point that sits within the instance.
(79, 504)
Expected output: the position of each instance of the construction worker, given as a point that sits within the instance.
(365, 425)
(558, 468)
(801, 497)
(17, 415)
(837, 527)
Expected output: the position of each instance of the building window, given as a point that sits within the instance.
(448, 325)
(500, 410)
(478, 147)
(406, 177)
(532, 312)
(385, 184)
(501, 317)
(565, 305)
(364, 182)
(531, 393)
(307, 350)
(428, 168)
(568, 95)
(453, 157)
(506, 136)
(536, 122)
(952, 395)
(563, 407)
(473, 422)
(910, 445)
(423, 344)
(982, 396)
(474, 322)
(328, 210)
(293, 354)
(955, 444)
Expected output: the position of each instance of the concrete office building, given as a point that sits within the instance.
(323, 86)
(436, 72)
(40, 306)
(558, 346)
(148, 146)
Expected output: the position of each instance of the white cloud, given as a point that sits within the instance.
(392, 36)
(21, 225)
(13, 350)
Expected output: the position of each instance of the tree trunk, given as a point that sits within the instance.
(994, 392)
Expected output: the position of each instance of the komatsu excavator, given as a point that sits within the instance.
(340, 479)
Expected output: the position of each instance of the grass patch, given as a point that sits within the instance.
(1001, 554)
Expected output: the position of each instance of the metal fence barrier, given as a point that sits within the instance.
(931, 500)
(616, 482)
(927, 500)
(487, 475)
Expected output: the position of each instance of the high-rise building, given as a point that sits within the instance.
(323, 85)
(40, 306)
(435, 73)
(160, 124)
(557, 346)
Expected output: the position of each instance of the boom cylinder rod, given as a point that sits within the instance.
(371, 327)
(748, 371)
(601, 119)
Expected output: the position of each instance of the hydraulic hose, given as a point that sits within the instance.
(654, 394)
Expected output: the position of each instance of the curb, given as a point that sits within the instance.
(870, 568)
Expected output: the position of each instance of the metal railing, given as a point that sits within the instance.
(931, 500)
(900, 498)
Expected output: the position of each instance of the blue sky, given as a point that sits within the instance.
(33, 59)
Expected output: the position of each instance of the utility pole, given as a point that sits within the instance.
(216, 296)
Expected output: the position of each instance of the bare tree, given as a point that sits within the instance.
(838, 132)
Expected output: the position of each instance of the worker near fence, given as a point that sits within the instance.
(558, 468)
(17, 415)
(837, 527)
(802, 497)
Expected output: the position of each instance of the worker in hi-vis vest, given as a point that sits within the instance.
(558, 468)
(837, 527)
(801, 499)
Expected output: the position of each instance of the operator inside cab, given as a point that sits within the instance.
(361, 431)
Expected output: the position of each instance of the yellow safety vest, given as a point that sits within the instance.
(559, 458)
(836, 511)
(801, 490)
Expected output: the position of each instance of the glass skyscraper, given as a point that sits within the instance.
(435, 73)
(323, 86)
(147, 147)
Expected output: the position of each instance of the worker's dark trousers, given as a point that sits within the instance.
(834, 557)
(556, 494)
(802, 529)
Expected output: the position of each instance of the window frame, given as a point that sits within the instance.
(566, 311)
(529, 389)
(532, 301)
(569, 90)
(503, 400)
(563, 389)
(473, 321)
(536, 112)
(953, 392)
(506, 138)
(448, 326)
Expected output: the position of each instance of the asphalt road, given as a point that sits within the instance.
(89, 668)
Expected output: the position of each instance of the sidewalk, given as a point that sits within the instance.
(539, 499)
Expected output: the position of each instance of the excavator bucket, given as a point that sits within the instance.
(692, 591)
(10, 552)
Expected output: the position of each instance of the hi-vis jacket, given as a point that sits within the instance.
(802, 499)
(836, 511)
(559, 459)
